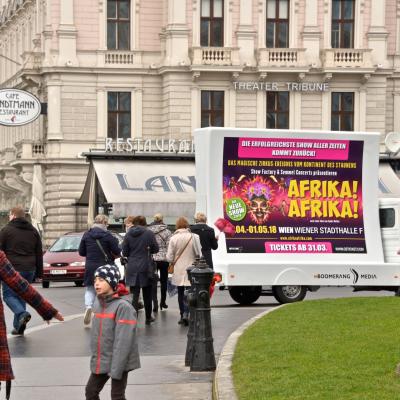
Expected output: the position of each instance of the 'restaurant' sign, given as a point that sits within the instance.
(18, 107)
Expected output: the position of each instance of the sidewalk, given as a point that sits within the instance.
(53, 362)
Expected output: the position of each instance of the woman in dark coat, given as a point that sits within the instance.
(32, 297)
(207, 236)
(95, 257)
(138, 245)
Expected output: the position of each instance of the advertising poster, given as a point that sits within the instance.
(293, 195)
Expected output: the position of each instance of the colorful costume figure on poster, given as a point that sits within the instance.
(259, 198)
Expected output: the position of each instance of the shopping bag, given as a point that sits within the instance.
(171, 288)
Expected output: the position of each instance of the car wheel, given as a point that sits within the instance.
(245, 295)
(45, 284)
(289, 293)
(78, 283)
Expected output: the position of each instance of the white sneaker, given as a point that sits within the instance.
(88, 316)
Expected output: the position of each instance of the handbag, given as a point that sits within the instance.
(152, 270)
(171, 288)
(171, 265)
(106, 259)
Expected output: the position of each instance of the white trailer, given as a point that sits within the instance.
(298, 210)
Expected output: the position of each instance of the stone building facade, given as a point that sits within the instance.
(161, 68)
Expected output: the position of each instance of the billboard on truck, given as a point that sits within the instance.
(301, 206)
(293, 195)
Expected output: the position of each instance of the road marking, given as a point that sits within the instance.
(52, 323)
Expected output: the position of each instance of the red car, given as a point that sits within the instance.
(62, 262)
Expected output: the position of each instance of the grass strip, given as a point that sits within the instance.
(337, 349)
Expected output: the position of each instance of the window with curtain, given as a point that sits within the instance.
(118, 24)
(212, 23)
(119, 115)
(277, 25)
(278, 110)
(342, 36)
(342, 115)
(212, 108)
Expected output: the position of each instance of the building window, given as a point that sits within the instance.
(278, 110)
(212, 108)
(277, 23)
(343, 24)
(342, 112)
(118, 24)
(119, 115)
(212, 23)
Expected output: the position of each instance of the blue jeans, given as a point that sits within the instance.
(13, 301)
(90, 296)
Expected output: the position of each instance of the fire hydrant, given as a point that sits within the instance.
(202, 356)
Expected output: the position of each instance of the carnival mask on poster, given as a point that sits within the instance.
(259, 209)
(258, 198)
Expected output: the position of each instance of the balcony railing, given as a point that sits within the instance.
(120, 58)
(215, 56)
(341, 58)
(277, 57)
(28, 149)
(32, 59)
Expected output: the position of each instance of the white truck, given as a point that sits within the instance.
(298, 210)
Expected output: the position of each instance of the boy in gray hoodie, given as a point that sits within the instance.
(113, 337)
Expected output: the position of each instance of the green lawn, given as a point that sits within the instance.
(326, 349)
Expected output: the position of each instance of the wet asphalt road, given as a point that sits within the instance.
(164, 337)
(52, 362)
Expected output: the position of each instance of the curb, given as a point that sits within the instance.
(223, 388)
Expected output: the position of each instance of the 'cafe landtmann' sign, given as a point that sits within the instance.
(18, 107)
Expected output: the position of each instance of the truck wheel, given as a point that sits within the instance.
(289, 293)
(45, 284)
(245, 294)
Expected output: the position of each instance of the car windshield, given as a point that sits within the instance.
(66, 243)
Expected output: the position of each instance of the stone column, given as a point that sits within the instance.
(362, 109)
(396, 107)
(195, 108)
(54, 110)
(177, 34)
(261, 109)
(137, 113)
(67, 34)
(227, 24)
(246, 33)
(101, 113)
(377, 34)
(311, 34)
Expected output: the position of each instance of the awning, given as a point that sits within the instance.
(145, 187)
(389, 183)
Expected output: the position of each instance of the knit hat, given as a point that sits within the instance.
(110, 273)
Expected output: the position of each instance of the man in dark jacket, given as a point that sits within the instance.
(22, 245)
(207, 237)
(138, 245)
(99, 247)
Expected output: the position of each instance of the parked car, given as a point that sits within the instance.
(62, 262)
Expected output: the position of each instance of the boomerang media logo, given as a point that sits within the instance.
(354, 275)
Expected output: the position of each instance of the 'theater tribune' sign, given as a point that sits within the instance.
(18, 107)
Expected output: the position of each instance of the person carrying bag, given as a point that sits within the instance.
(183, 249)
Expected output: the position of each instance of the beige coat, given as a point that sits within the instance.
(176, 244)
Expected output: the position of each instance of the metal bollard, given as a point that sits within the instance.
(189, 295)
(202, 351)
